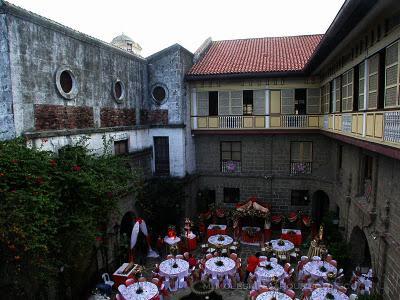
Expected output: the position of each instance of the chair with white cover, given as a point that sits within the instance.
(119, 297)
(173, 284)
(316, 258)
(233, 249)
(214, 281)
(179, 256)
(227, 282)
(129, 281)
(291, 294)
(353, 297)
(274, 260)
(182, 283)
(170, 256)
(106, 279)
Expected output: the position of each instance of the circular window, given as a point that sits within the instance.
(66, 83)
(119, 90)
(159, 94)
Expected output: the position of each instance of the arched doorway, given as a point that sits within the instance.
(320, 206)
(127, 225)
(360, 253)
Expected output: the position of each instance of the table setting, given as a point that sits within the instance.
(267, 270)
(220, 266)
(140, 291)
(272, 295)
(220, 240)
(328, 294)
(281, 246)
(174, 268)
(319, 269)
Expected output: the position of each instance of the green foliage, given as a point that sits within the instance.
(370, 297)
(53, 208)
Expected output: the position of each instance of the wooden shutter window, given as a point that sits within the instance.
(236, 103)
(259, 102)
(325, 99)
(338, 94)
(313, 101)
(223, 103)
(202, 104)
(361, 85)
(373, 68)
(347, 91)
(392, 75)
(287, 101)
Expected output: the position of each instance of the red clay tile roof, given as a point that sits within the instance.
(258, 55)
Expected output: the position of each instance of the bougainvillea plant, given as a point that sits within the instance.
(52, 210)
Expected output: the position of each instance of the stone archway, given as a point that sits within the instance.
(360, 251)
(320, 206)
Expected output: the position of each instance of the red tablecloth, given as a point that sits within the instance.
(211, 231)
(292, 235)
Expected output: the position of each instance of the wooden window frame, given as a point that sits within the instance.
(397, 84)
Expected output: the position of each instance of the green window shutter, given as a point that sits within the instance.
(259, 102)
(373, 68)
(202, 103)
(392, 75)
(361, 86)
(236, 103)
(313, 101)
(287, 101)
(223, 103)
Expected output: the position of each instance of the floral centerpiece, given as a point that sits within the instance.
(281, 243)
(219, 263)
(330, 276)
(329, 296)
(221, 238)
(268, 267)
(323, 269)
(251, 232)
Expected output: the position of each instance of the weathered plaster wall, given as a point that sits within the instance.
(7, 130)
(38, 50)
(167, 68)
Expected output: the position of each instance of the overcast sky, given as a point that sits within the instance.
(156, 24)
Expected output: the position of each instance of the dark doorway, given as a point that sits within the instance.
(300, 101)
(360, 253)
(320, 206)
(161, 155)
(213, 103)
(127, 223)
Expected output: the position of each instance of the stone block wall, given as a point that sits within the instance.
(265, 168)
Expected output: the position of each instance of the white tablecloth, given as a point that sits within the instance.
(267, 275)
(228, 268)
(269, 295)
(314, 269)
(287, 247)
(214, 240)
(319, 294)
(221, 227)
(172, 241)
(167, 270)
(150, 290)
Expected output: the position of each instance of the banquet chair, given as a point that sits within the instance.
(170, 256)
(142, 279)
(273, 259)
(253, 294)
(353, 297)
(233, 256)
(316, 258)
(327, 285)
(291, 294)
(106, 279)
(224, 252)
(211, 250)
(166, 283)
(179, 256)
(332, 262)
(342, 289)
(209, 256)
(214, 281)
(233, 249)
(119, 297)
(186, 255)
(156, 281)
(129, 281)
(263, 289)
(182, 284)
(306, 294)
(173, 284)
(282, 257)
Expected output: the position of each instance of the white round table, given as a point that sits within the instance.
(270, 294)
(320, 294)
(167, 268)
(220, 240)
(228, 266)
(150, 290)
(314, 269)
(263, 274)
(287, 247)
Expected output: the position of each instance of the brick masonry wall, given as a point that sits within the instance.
(111, 117)
(56, 117)
(154, 117)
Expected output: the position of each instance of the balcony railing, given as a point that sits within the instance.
(296, 121)
(230, 121)
(300, 168)
(231, 166)
(392, 127)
